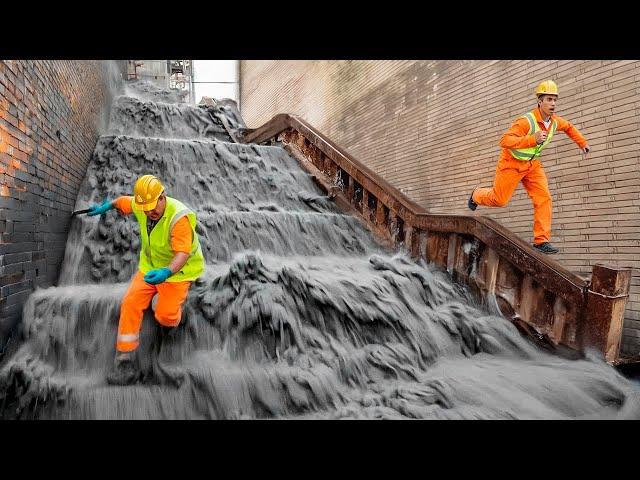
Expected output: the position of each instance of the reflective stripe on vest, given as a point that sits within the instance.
(128, 338)
(530, 153)
(195, 245)
(156, 251)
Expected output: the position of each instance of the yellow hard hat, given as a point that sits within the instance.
(146, 192)
(548, 87)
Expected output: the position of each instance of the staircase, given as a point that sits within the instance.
(306, 309)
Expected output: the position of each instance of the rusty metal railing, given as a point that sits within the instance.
(544, 299)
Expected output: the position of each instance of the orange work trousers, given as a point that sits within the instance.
(171, 296)
(508, 173)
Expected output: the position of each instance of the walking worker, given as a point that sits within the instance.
(519, 162)
(170, 260)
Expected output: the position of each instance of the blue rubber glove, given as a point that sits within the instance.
(158, 275)
(99, 209)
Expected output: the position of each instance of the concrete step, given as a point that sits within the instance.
(133, 117)
(107, 249)
(312, 325)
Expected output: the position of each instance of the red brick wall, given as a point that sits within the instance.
(432, 128)
(50, 116)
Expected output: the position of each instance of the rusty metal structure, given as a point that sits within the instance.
(181, 77)
(555, 307)
(164, 73)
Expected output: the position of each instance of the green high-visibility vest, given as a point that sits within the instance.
(156, 251)
(530, 153)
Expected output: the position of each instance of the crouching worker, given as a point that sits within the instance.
(170, 260)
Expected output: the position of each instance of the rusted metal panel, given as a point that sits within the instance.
(542, 310)
(534, 291)
(330, 168)
(606, 299)
(487, 269)
(465, 259)
(350, 187)
(412, 239)
(399, 231)
(392, 226)
(357, 197)
(451, 251)
(522, 256)
(561, 319)
(438, 248)
(372, 205)
(326, 184)
(423, 235)
(272, 128)
(381, 215)
(507, 288)
(366, 211)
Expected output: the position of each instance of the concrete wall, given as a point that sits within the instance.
(432, 128)
(51, 113)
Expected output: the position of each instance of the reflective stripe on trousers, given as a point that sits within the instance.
(168, 311)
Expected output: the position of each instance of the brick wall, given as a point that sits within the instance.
(432, 128)
(50, 115)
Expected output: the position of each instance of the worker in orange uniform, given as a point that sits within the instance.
(170, 260)
(521, 147)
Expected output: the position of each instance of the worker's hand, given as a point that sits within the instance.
(586, 151)
(158, 275)
(540, 136)
(99, 209)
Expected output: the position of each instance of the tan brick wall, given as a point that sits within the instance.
(432, 128)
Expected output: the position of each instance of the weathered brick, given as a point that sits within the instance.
(16, 298)
(16, 287)
(13, 310)
(12, 278)
(36, 168)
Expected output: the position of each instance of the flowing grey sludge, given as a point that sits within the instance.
(299, 315)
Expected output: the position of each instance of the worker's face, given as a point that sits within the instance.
(157, 212)
(547, 104)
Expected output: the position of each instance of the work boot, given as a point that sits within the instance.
(124, 371)
(546, 247)
(162, 372)
(471, 204)
(167, 332)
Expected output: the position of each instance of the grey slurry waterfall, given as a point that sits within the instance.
(299, 314)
